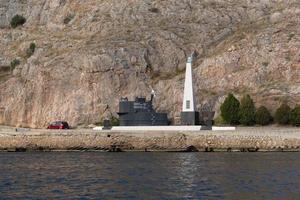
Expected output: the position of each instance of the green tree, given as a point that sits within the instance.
(263, 116)
(295, 116)
(17, 20)
(247, 111)
(230, 109)
(282, 114)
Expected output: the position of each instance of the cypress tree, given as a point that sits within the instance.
(295, 116)
(247, 111)
(263, 116)
(230, 109)
(282, 114)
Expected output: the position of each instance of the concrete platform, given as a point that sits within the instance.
(164, 128)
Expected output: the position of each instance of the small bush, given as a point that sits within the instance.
(154, 10)
(265, 63)
(17, 20)
(282, 114)
(30, 50)
(114, 121)
(263, 116)
(230, 110)
(247, 111)
(14, 63)
(295, 116)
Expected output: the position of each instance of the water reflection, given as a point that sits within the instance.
(149, 175)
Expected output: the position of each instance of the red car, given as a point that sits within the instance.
(58, 125)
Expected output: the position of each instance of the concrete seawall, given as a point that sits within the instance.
(243, 139)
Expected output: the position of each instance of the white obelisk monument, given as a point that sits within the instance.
(189, 116)
(188, 96)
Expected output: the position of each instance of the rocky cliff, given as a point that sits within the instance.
(90, 53)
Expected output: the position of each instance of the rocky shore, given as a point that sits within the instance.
(243, 139)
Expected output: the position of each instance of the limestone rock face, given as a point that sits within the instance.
(90, 53)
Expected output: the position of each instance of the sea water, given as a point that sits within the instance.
(134, 175)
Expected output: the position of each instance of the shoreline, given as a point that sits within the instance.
(244, 139)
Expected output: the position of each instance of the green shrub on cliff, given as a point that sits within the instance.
(154, 10)
(282, 114)
(14, 63)
(295, 116)
(30, 50)
(247, 111)
(114, 121)
(17, 20)
(263, 116)
(230, 109)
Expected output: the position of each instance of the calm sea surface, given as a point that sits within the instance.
(95, 175)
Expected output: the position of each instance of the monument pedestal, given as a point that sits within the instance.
(190, 118)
